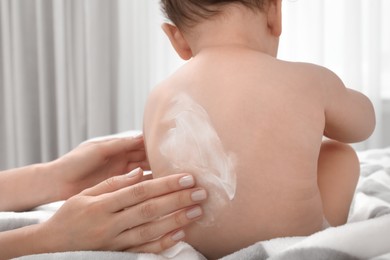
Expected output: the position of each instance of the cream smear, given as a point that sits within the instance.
(192, 145)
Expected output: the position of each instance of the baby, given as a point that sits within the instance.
(250, 127)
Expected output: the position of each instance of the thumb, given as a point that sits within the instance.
(115, 183)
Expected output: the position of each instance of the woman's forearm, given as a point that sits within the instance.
(27, 187)
(24, 241)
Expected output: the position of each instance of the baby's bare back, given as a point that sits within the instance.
(249, 127)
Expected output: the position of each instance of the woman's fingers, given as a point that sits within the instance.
(163, 243)
(130, 148)
(141, 214)
(158, 207)
(156, 229)
(114, 146)
(143, 191)
(147, 177)
(115, 183)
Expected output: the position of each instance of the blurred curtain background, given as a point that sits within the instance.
(76, 69)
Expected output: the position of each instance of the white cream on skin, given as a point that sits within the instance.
(192, 145)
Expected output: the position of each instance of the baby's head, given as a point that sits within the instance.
(187, 13)
(194, 20)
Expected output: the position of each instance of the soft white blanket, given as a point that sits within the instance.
(365, 236)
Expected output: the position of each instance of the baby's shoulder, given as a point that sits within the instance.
(310, 76)
(308, 70)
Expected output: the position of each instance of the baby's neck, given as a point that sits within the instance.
(235, 27)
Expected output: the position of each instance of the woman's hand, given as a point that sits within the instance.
(96, 161)
(123, 215)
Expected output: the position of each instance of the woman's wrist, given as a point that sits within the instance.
(53, 172)
(60, 170)
(49, 175)
(46, 238)
(34, 241)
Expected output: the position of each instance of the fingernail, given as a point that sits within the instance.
(134, 172)
(194, 213)
(187, 181)
(199, 195)
(178, 235)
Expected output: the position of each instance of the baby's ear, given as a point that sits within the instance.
(275, 17)
(178, 41)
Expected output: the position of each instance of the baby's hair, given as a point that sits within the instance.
(185, 13)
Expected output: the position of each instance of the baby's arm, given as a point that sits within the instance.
(349, 115)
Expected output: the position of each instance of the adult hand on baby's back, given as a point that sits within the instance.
(124, 213)
(95, 161)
